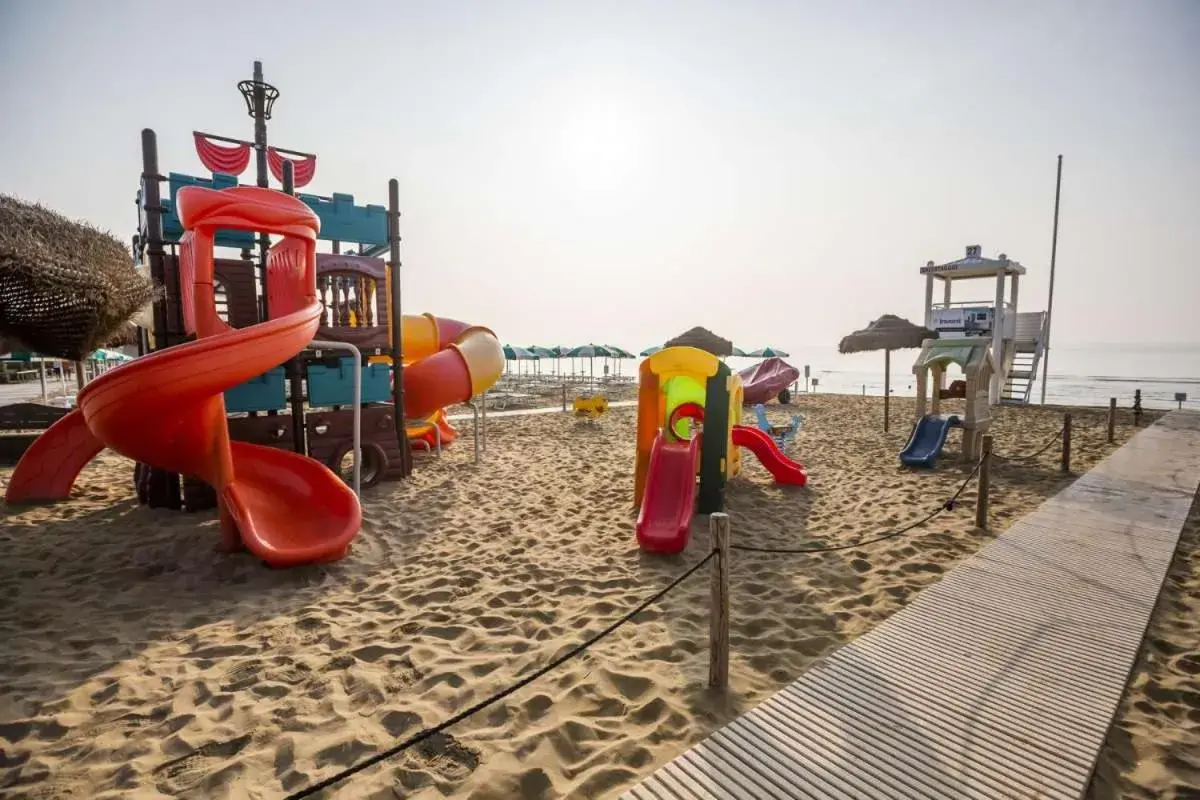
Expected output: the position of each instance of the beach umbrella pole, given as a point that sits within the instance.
(887, 387)
(42, 379)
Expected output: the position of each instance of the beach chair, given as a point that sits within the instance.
(782, 434)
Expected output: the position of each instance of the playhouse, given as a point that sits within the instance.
(974, 356)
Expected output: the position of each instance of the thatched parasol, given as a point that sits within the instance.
(66, 288)
(703, 339)
(887, 333)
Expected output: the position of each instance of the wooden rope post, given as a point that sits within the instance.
(564, 397)
(1066, 443)
(985, 484)
(718, 627)
(1112, 419)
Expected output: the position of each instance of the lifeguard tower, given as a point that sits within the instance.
(1017, 340)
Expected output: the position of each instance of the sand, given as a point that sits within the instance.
(1153, 749)
(137, 662)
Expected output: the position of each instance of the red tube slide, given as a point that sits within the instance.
(782, 468)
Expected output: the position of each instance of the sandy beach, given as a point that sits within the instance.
(137, 662)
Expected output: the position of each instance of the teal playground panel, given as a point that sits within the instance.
(341, 220)
(173, 228)
(267, 392)
(334, 385)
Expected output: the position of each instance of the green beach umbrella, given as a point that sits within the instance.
(739, 352)
(590, 352)
(649, 351)
(515, 353)
(768, 352)
(539, 353)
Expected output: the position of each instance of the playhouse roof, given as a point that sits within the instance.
(970, 353)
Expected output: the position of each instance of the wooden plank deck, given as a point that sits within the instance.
(998, 682)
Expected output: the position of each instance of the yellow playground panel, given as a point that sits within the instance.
(669, 378)
(591, 407)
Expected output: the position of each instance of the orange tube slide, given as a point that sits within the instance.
(446, 362)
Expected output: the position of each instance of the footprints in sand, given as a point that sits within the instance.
(201, 769)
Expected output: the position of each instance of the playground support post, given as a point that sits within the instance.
(295, 370)
(1050, 300)
(152, 207)
(260, 158)
(393, 234)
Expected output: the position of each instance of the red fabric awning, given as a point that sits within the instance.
(231, 160)
(303, 169)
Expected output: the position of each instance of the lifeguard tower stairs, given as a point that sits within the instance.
(1018, 341)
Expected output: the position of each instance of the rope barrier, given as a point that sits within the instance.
(426, 733)
(946, 506)
(1029, 457)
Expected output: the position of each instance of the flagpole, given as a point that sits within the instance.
(1050, 301)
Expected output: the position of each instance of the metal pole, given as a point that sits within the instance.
(1050, 301)
(393, 232)
(357, 435)
(42, 379)
(260, 147)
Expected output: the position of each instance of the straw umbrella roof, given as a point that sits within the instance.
(65, 287)
(703, 339)
(889, 332)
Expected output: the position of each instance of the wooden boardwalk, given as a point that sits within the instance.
(998, 682)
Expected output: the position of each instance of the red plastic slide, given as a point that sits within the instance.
(665, 519)
(168, 409)
(782, 468)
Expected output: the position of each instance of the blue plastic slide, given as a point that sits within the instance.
(928, 436)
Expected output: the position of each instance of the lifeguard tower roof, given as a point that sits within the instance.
(973, 265)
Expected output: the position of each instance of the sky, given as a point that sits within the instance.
(618, 172)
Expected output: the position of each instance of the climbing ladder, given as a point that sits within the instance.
(1022, 359)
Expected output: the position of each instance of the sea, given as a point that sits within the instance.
(1079, 375)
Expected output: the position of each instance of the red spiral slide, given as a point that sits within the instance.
(168, 409)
